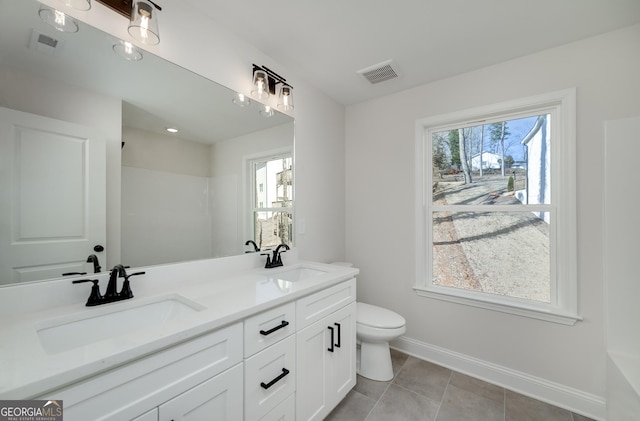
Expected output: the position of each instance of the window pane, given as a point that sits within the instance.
(272, 228)
(501, 163)
(505, 253)
(273, 181)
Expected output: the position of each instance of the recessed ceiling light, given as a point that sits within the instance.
(172, 130)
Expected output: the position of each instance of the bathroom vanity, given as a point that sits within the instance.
(230, 341)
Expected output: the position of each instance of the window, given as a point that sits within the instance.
(495, 207)
(272, 200)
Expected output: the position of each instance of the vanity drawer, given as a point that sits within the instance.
(285, 411)
(132, 389)
(269, 378)
(269, 327)
(314, 307)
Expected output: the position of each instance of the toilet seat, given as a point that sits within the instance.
(378, 317)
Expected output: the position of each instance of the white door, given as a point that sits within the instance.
(52, 196)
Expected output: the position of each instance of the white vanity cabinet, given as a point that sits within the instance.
(270, 361)
(326, 340)
(295, 361)
(170, 381)
(219, 398)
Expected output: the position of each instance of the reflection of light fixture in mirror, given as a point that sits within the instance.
(143, 24)
(285, 100)
(78, 4)
(240, 100)
(266, 111)
(172, 129)
(58, 20)
(260, 83)
(127, 51)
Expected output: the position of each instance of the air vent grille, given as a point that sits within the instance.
(380, 72)
(45, 44)
(48, 41)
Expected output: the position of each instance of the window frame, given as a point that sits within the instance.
(563, 307)
(250, 186)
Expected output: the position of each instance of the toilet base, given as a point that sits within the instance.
(375, 361)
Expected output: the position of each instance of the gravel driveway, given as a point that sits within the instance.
(495, 252)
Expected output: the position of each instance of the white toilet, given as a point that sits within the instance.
(375, 327)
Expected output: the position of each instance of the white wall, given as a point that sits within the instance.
(195, 42)
(229, 184)
(620, 249)
(380, 164)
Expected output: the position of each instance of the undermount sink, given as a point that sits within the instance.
(298, 274)
(97, 324)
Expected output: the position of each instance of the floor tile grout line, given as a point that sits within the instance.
(386, 388)
(504, 403)
(435, 418)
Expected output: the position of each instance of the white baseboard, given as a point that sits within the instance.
(574, 400)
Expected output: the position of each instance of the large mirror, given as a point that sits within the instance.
(87, 166)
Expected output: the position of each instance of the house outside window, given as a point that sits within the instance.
(272, 200)
(495, 207)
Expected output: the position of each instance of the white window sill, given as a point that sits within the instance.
(502, 304)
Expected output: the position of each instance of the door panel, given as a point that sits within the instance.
(52, 196)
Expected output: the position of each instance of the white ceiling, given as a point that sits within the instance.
(329, 41)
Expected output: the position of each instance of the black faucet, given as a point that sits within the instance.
(96, 265)
(112, 287)
(111, 293)
(255, 246)
(276, 260)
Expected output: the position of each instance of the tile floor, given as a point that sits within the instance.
(424, 391)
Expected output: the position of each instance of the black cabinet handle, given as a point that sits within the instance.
(330, 349)
(270, 331)
(339, 335)
(274, 381)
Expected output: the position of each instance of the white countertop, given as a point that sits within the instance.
(28, 371)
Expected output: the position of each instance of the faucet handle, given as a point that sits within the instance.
(94, 298)
(268, 264)
(126, 292)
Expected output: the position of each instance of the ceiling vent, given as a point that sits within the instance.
(379, 72)
(45, 44)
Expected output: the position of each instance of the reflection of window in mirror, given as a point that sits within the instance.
(272, 200)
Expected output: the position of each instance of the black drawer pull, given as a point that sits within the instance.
(274, 381)
(331, 329)
(338, 344)
(270, 331)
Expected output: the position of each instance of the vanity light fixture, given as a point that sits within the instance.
(58, 19)
(127, 51)
(285, 100)
(265, 81)
(261, 86)
(143, 24)
(172, 129)
(241, 100)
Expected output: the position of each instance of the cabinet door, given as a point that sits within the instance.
(326, 366)
(342, 361)
(311, 390)
(219, 398)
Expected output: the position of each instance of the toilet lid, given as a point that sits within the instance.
(379, 317)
